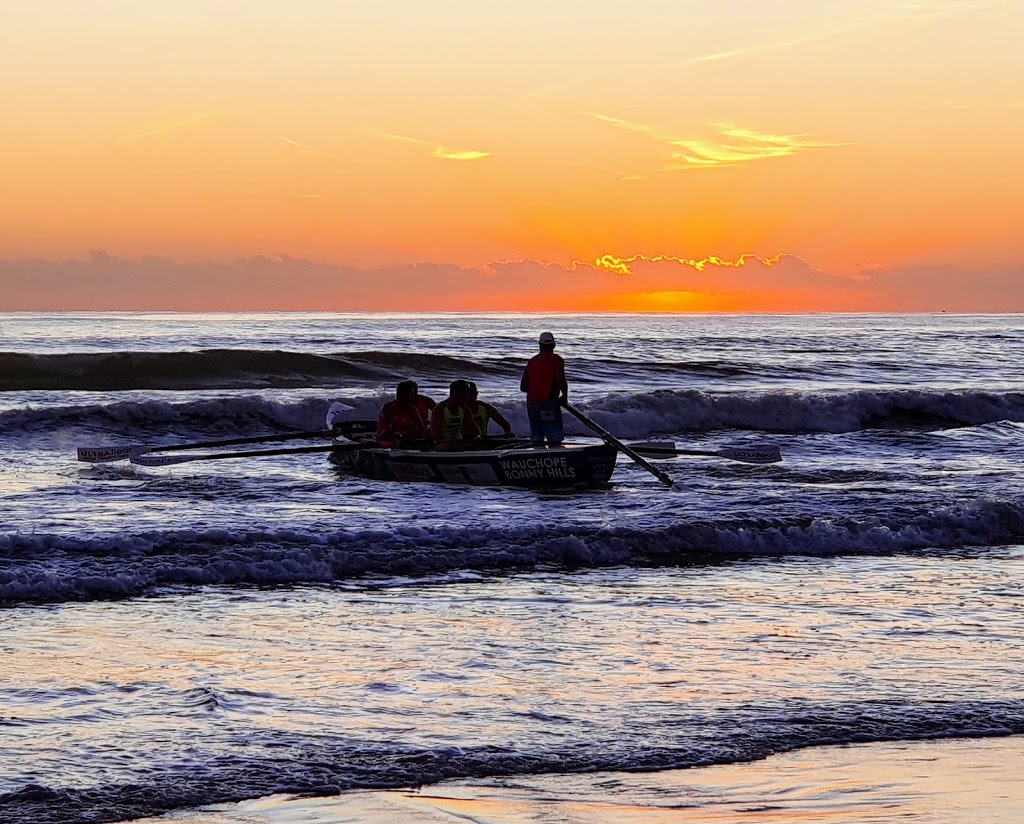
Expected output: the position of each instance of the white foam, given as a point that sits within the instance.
(632, 415)
(43, 568)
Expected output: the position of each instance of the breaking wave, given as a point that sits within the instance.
(275, 368)
(40, 568)
(633, 415)
(223, 369)
(642, 414)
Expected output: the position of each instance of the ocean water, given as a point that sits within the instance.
(183, 636)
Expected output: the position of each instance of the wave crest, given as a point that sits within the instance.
(223, 369)
(55, 568)
(264, 764)
(627, 414)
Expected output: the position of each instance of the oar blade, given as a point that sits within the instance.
(748, 454)
(753, 455)
(106, 454)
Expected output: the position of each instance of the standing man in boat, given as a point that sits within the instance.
(452, 423)
(405, 418)
(546, 389)
(484, 413)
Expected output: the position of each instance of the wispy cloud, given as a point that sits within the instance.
(640, 128)
(886, 11)
(194, 121)
(293, 143)
(401, 138)
(623, 266)
(764, 48)
(439, 151)
(976, 105)
(742, 146)
(730, 146)
(447, 153)
(875, 14)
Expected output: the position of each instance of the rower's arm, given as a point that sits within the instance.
(498, 418)
(383, 425)
(470, 431)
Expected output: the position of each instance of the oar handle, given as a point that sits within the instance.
(610, 439)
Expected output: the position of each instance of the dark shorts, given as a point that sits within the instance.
(545, 422)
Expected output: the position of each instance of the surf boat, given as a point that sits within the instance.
(497, 462)
(569, 466)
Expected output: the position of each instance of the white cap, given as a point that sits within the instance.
(546, 339)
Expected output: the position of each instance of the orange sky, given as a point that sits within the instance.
(872, 147)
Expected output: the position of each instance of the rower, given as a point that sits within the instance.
(452, 424)
(424, 405)
(484, 413)
(404, 418)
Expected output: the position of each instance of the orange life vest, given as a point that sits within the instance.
(399, 422)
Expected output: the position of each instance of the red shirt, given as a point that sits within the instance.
(544, 378)
(424, 405)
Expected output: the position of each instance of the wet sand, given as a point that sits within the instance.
(930, 782)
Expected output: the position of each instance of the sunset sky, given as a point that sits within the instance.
(666, 155)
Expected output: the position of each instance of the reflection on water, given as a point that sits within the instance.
(620, 655)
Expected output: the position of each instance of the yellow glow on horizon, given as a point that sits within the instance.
(622, 265)
(673, 301)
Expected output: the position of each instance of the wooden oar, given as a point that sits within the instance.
(145, 459)
(105, 454)
(752, 455)
(610, 439)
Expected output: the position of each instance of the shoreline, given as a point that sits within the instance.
(943, 781)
